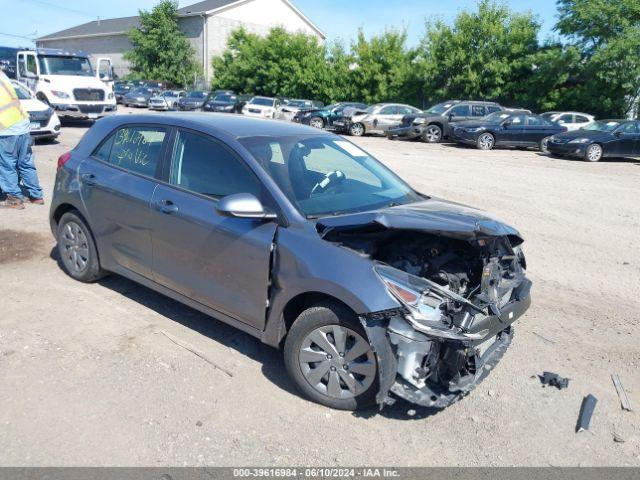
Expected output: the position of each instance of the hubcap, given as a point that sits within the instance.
(357, 130)
(316, 123)
(433, 135)
(337, 362)
(486, 142)
(594, 153)
(545, 145)
(75, 249)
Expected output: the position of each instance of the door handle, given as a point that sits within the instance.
(167, 207)
(89, 179)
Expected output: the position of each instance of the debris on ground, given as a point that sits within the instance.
(548, 340)
(586, 411)
(617, 438)
(554, 380)
(195, 352)
(622, 394)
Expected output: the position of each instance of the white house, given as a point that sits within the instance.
(206, 24)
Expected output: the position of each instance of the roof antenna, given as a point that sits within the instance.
(98, 20)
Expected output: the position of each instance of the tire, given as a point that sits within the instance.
(77, 249)
(330, 387)
(544, 145)
(316, 122)
(357, 130)
(486, 141)
(593, 153)
(432, 134)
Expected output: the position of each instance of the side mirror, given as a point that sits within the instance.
(105, 77)
(243, 205)
(618, 133)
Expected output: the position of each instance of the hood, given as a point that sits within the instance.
(58, 82)
(434, 216)
(33, 105)
(258, 107)
(218, 103)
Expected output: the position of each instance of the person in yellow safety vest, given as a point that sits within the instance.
(16, 155)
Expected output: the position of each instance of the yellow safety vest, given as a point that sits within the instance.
(10, 110)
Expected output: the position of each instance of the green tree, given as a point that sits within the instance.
(161, 50)
(606, 34)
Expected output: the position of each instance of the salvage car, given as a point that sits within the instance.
(262, 107)
(571, 120)
(303, 240)
(138, 97)
(120, 89)
(324, 117)
(377, 118)
(44, 123)
(291, 107)
(225, 102)
(507, 129)
(166, 100)
(193, 100)
(435, 124)
(604, 138)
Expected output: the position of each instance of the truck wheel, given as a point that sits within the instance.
(329, 358)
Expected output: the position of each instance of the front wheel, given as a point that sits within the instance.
(329, 358)
(356, 130)
(316, 122)
(593, 153)
(486, 141)
(77, 249)
(544, 145)
(433, 134)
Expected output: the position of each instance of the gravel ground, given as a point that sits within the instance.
(91, 374)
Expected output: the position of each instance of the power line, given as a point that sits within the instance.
(52, 5)
(17, 36)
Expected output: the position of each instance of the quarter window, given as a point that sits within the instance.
(493, 109)
(477, 111)
(201, 165)
(581, 119)
(567, 118)
(136, 149)
(390, 110)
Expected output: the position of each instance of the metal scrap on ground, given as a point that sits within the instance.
(195, 352)
(554, 380)
(624, 399)
(586, 411)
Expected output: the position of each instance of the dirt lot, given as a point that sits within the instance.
(91, 374)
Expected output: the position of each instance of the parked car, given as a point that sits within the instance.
(120, 89)
(263, 107)
(301, 239)
(571, 120)
(603, 138)
(166, 100)
(507, 129)
(289, 110)
(138, 97)
(225, 102)
(434, 124)
(324, 117)
(45, 124)
(378, 118)
(193, 100)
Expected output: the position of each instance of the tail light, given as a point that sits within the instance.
(63, 159)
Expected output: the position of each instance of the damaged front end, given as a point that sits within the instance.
(459, 294)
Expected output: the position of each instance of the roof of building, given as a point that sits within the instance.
(113, 26)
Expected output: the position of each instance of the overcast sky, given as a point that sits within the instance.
(337, 18)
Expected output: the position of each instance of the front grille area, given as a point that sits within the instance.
(91, 108)
(88, 94)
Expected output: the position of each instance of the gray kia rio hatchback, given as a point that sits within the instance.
(298, 237)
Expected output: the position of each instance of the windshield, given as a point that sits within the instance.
(122, 88)
(198, 95)
(298, 103)
(440, 108)
(326, 175)
(59, 65)
(497, 117)
(602, 126)
(225, 97)
(265, 102)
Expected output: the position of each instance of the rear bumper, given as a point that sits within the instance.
(567, 149)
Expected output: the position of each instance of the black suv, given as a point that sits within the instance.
(434, 124)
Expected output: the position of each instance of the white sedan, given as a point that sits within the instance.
(571, 120)
(262, 107)
(45, 123)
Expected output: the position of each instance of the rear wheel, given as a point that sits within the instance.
(433, 134)
(77, 249)
(328, 356)
(316, 122)
(544, 145)
(486, 141)
(593, 153)
(357, 130)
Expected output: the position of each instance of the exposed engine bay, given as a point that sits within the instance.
(459, 296)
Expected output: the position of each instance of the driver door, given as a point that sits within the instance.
(27, 70)
(218, 261)
(626, 138)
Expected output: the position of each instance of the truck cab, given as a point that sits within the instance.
(67, 81)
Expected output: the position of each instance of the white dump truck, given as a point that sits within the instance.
(68, 82)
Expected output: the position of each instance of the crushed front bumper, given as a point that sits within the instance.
(450, 368)
(405, 132)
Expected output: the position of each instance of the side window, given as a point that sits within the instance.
(534, 121)
(477, 111)
(31, 64)
(136, 149)
(389, 110)
(21, 66)
(581, 119)
(631, 127)
(205, 166)
(460, 111)
(491, 109)
(405, 110)
(517, 120)
(566, 118)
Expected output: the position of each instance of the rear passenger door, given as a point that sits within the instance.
(116, 185)
(217, 261)
(388, 117)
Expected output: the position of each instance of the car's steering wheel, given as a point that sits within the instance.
(330, 180)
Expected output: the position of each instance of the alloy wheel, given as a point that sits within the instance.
(75, 247)
(433, 134)
(337, 362)
(357, 130)
(594, 153)
(544, 145)
(316, 123)
(486, 141)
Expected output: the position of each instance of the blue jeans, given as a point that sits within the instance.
(16, 164)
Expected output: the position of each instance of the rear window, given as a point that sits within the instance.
(135, 148)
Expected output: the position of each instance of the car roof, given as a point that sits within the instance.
(237, 126)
